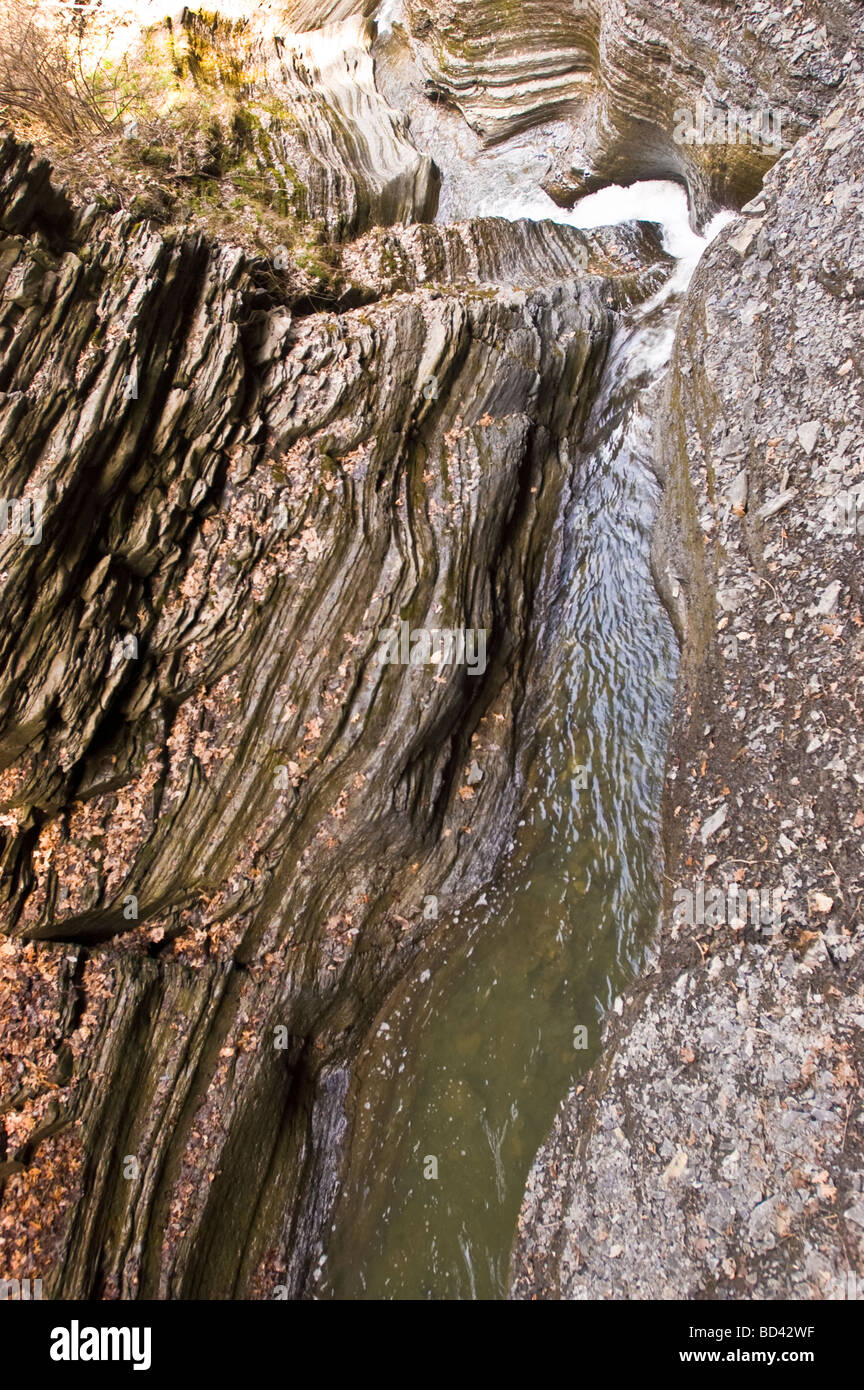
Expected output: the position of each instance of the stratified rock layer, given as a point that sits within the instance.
(330, 145)
(621, 72)
(221, 813)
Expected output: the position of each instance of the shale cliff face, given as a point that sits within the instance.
(331, 147)
(220, 808)
(717, 1151)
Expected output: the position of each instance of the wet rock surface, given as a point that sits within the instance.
(717, 1150)
(332, 147)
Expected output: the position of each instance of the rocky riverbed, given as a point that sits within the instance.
(717, 1152)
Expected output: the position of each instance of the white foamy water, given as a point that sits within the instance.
(647, 346)
(653, 200)
(385, 17)
(660, 201)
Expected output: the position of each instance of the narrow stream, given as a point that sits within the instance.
(464, 1078)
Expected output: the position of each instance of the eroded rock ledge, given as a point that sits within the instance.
(717, 1150)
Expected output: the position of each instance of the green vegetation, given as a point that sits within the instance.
(173, 131)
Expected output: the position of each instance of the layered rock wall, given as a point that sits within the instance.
(221, 812)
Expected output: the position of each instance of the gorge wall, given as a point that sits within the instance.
(220, 806)
(223, 817)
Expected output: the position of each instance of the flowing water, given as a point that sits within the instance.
(464, 1077)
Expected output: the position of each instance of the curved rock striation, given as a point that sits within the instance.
(303, 103)
(491, 251)
(506, 67)
(235, 485)
(626, 83)
(718, 1150)
(341, 152)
